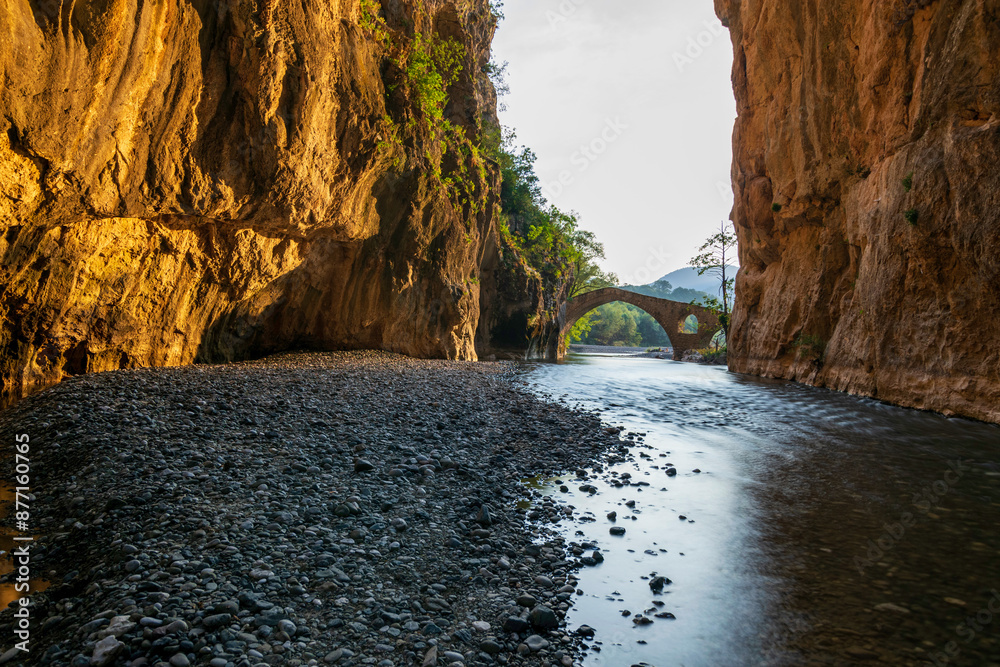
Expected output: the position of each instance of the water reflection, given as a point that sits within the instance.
(7, 544)
(827, 529)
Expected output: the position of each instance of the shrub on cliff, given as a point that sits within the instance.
(432, 67)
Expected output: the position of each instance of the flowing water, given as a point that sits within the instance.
(822, 529)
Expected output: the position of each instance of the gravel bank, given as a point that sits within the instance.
(307, 509)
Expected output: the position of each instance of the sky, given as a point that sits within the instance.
(629, 107)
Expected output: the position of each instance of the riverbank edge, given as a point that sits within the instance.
(112, 560)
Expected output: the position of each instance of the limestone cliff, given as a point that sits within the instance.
(216, 180)
(868, 197)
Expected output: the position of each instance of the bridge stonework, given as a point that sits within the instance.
(669, 314)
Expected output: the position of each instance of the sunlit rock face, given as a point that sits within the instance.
(217, 180)
(867, 181)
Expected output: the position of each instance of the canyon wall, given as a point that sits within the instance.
(867, 182)
(205, 180)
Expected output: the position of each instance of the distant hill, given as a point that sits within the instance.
(681, 294)
(689, 278)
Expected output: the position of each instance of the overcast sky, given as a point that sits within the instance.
(630, 110)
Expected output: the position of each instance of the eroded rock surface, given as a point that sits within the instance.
(867, 194)
(215, 181)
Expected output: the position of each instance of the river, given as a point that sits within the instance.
(821, 528)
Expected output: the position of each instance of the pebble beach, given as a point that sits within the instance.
(356, 508)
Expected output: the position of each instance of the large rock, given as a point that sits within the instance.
(221, 180)
(105, 651)
(867, 202)
(543, 618)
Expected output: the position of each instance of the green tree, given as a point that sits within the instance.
(650, 331)
(580, 332)
(587, 274)
(716, 253)
(614, 324)
(663, 287)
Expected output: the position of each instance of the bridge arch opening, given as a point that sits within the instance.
(689, 325)
(619, 324)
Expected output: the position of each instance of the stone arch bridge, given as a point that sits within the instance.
(671, 315)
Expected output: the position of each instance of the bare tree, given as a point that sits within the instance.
(714, 259)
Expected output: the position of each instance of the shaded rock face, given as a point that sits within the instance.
(217, 180)
(513, 303)
(868, 198)
(520, 317)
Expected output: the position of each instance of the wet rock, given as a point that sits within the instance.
(431, 629)
(215, 621)
(118, 626)
(536, 643)
(516, 624)
(484, 518)
(543, 618)
(657, 584)
(177, 627)
(490, 647)
(227, 607)
(14, 652)
(526, 600)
